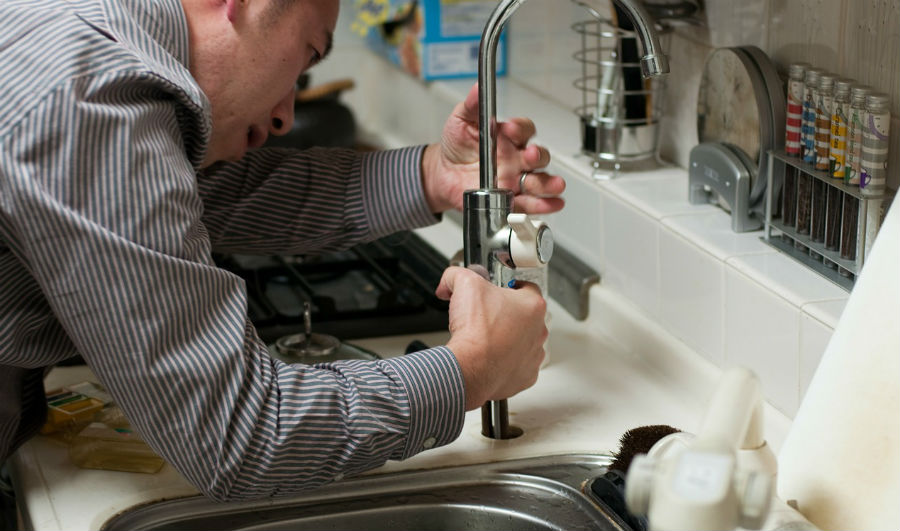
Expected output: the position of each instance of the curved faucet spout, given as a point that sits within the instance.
(486, 224)
(653, 63)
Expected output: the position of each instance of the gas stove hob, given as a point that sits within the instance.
(376, 289)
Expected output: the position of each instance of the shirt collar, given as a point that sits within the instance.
(157, 31)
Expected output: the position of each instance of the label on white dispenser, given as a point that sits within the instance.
(702, 477)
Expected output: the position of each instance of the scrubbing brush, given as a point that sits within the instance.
(609, 489)
(638, 441)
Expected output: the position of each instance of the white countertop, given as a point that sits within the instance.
(615, 371)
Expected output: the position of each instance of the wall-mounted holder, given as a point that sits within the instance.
(802, 245)
(720, 172)
(620, 112)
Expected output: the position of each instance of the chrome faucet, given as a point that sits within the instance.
(493, 237)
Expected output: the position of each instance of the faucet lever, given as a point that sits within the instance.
(530, 241)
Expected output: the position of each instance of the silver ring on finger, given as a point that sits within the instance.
(522, 181)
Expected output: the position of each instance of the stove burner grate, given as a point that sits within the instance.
(381, 288)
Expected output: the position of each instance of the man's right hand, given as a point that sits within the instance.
(497, 334)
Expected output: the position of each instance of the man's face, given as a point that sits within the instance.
(246, 55)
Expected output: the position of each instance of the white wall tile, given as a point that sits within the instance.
(662, 193)
(692, 293)
(762, 333)
(713, 232)
(827, 312)
(814, 337)
(578, 227)
(788, 278)
(631, 253)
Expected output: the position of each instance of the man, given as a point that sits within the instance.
(127, 155)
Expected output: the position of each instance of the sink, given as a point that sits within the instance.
(542, 493)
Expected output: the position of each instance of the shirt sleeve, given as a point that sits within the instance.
(278, 200)
(101, 206)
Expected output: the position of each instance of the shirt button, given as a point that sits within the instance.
(429, 442)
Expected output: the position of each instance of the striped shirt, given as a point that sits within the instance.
(106, 233)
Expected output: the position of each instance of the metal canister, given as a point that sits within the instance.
(873, 161)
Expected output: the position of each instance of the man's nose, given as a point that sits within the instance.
(283, 115)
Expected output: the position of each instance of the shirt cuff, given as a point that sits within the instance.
(436, 391)
(393, 195)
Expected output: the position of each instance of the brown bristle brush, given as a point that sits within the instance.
(609, 489)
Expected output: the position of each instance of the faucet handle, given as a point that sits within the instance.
(530, 241)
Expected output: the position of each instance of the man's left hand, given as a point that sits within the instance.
(451, 167)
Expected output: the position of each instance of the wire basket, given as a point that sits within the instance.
(620, 112)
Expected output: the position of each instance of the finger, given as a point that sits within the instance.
(530, 204)
(448, 281)
(541, 184)
(452, 276)
(534, 157)
(467, 110)
(513, 161)
(518, 130)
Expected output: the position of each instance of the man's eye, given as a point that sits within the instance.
(316, 57)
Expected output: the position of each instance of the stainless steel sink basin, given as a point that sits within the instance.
(545, 493)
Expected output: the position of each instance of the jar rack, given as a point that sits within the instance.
(802, 247)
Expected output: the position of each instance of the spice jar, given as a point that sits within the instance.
(808, 152)
(797, 72)
(856, 122)
(824, 106)
(873, 160)
(836, 156)
(824, 95)
(839, 116)
(793, 126)
(808, 123)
